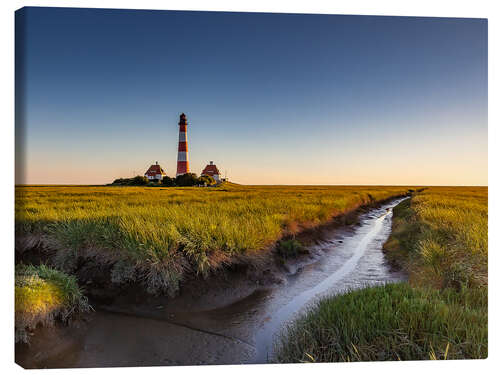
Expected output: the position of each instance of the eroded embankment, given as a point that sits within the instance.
(161, 237)
(230, 318)
(104, 275)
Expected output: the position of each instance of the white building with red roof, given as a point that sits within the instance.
(212, 171)
(155, 173)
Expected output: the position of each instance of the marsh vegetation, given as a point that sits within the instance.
(44, 295)
(440, 238)
(160, 237)
(156, 236)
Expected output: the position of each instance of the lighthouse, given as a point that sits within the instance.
(182, 155)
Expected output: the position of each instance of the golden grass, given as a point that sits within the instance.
(43, 294)
(36, 295)
(164, 232)
(441, 238)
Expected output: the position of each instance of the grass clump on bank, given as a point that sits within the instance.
(440, 238)
(159, 235)
(291, 248)
(42, 295)
(390, 322)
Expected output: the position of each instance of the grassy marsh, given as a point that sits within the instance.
(440, 237)
(157, 235)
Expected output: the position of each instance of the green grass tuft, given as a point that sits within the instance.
(42, 295)
(290, 249)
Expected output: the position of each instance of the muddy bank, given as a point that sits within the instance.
(229, 318)
(245, 274)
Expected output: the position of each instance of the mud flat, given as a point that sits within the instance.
(230, 319)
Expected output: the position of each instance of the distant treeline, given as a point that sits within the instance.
(188, 179)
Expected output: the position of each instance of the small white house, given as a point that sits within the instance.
(212, 170)
(155, 173)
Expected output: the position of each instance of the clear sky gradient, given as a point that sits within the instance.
(270, 98)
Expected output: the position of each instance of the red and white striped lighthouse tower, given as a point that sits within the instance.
(182, 155)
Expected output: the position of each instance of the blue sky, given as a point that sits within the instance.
(270, 98)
